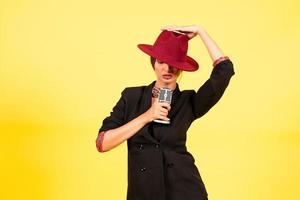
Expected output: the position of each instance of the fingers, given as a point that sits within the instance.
(172, 28)
(180, 32)
(165, 105)
(163, 115)
(180, 29)
(161, 110)
(164, 110)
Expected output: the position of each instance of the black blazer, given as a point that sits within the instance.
(159, 165)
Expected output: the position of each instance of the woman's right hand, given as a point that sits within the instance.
(158, 110)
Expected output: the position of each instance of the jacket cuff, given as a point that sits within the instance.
(222, 58)
(99, 141)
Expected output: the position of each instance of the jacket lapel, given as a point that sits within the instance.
(174, 103)
(146, 104)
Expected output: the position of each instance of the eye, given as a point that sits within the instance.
(160, 62)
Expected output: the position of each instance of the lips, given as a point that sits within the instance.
(167, 76)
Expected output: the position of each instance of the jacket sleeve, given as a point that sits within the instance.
(212, 90)
(114, 120)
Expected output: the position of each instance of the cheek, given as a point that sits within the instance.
(157, 72)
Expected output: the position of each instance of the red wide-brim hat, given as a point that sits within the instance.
(171, 48)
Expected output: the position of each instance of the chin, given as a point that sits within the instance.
(168, 81)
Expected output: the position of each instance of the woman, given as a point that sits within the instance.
(159, 165)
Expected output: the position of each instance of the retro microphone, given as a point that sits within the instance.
(165, 95)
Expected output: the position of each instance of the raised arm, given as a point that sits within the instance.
(212, 90)
(212, 48)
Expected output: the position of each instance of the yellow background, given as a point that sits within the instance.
(63, 65)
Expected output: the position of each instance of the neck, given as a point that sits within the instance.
(171, 86)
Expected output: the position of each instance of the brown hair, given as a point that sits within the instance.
(152, 60)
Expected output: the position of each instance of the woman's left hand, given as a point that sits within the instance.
(190, 31)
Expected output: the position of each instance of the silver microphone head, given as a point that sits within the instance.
(165, 95)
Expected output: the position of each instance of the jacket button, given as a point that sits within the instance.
(141, 146)
(170, 164)
(157, 146)
(143, 169)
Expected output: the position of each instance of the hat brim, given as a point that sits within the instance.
(189, 65)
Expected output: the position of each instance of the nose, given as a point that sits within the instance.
(171, 69)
